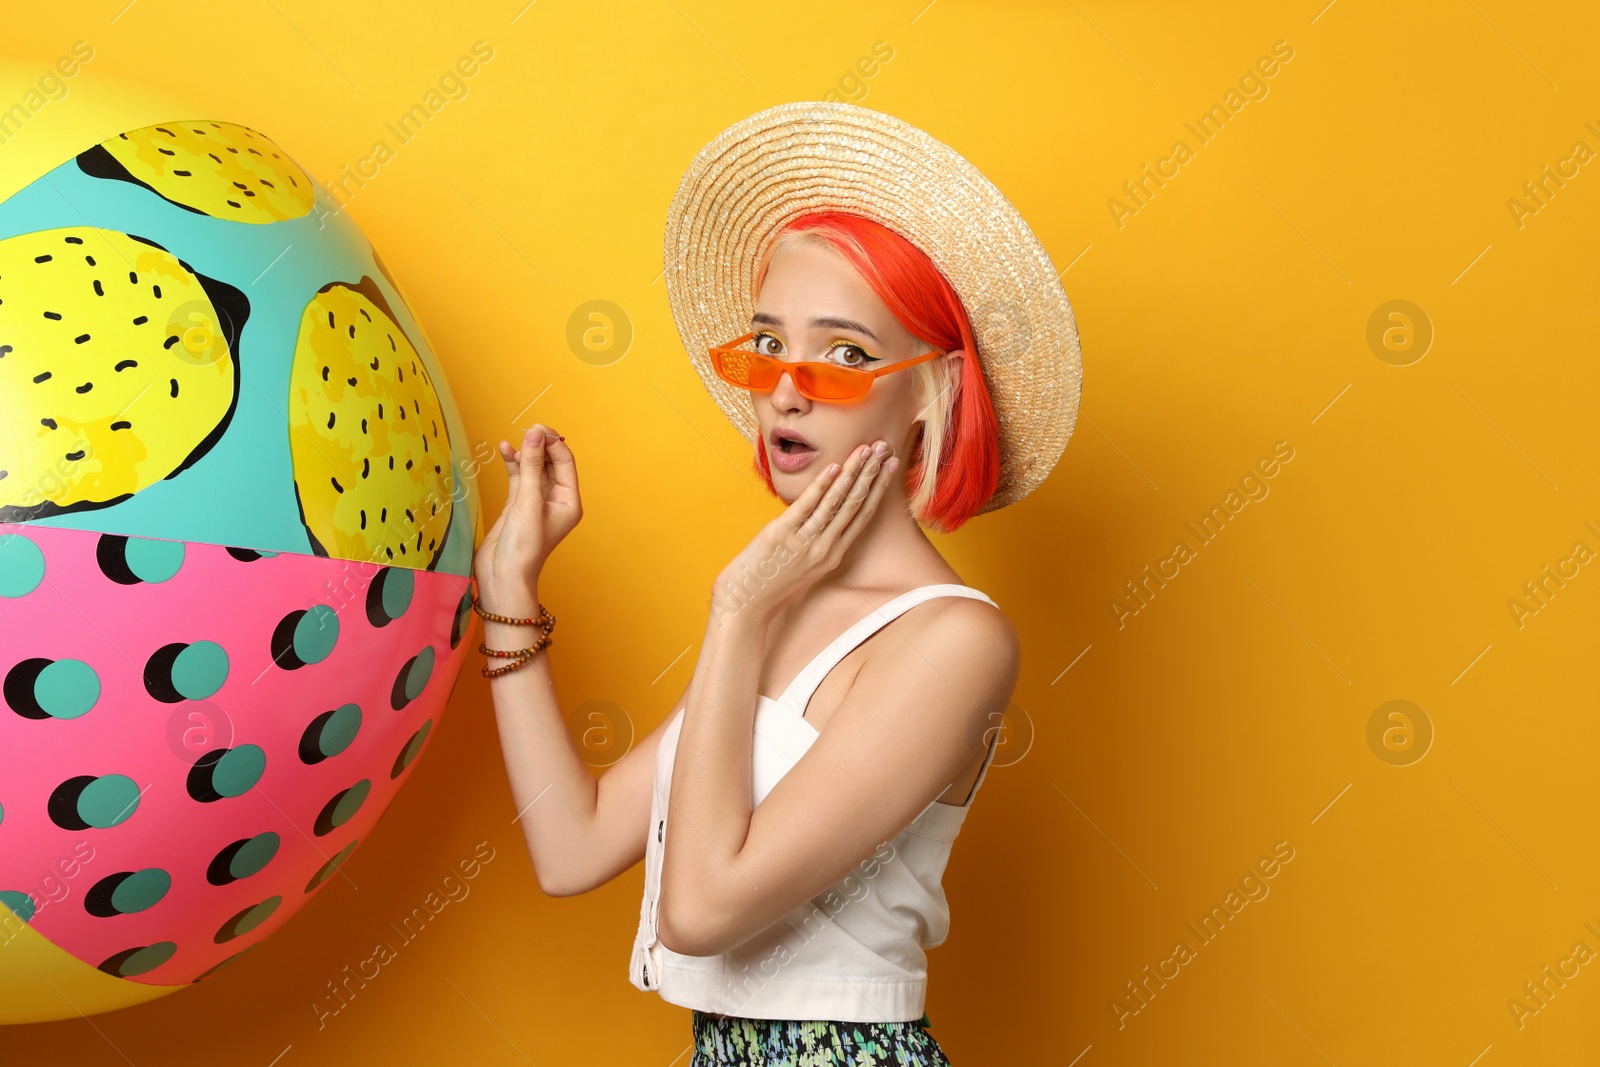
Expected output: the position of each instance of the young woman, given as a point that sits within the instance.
(797, 808)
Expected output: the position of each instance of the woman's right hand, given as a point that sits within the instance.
(542, 507)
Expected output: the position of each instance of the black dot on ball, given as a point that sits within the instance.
(397, 693)
(63, 802)
(412, 749)
(158, 673)
(463, 619)
(200, 782)
(341, 808)
(112, 555)
(97, 901)
(283, 641)
(327, 870)
(377, 614)
(19, 689)
(220, 870)
(311, 740)
(246, 920)
(243, 555)
(138, 960)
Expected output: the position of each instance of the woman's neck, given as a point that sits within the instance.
(890, 553)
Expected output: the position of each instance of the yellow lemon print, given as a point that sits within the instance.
(213, 168)
(367, 434)
(118, 368)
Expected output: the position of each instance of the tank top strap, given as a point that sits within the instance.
(799, 693)
(988, 758)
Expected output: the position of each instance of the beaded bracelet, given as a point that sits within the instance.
(524, 654)
(519, 656)
(513, 653)
(544, 619)
(495, 672)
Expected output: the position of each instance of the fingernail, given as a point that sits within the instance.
(881, 448)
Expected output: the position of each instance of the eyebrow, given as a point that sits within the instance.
(836, 323)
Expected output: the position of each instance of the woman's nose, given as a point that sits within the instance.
(785, 395)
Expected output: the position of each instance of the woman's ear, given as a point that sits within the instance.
(953, 370)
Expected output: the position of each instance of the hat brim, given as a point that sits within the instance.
(764, 171)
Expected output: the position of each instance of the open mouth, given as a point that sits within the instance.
(790, 452)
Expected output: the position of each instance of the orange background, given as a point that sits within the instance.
(1151, 759)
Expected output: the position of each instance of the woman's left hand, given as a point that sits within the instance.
(808, 540)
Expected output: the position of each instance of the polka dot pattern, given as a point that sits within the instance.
(327, 870)
(412, 750)
(131, 560)
(133, 961)
(305, 637)
(40, 688)
(463, 620)
(127, 892)
(226, 772)
(242, 858)
(390, 595)
(181, 671)
(342, 808)
(323, 690)
(412, 679)
(330, 733)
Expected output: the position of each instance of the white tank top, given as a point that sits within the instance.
(853, 952)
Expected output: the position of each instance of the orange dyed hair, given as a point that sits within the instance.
(957, 418)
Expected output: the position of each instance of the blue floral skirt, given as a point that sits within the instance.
(735, 1041)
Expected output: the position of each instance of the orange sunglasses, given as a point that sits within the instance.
(816, 379)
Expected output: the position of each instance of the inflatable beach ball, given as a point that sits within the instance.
(236, 529)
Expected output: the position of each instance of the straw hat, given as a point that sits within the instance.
(796, 158)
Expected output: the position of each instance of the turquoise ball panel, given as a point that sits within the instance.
(241, 492)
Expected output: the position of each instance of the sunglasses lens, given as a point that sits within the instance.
(831, 383)
(736, 366)
(819, 381)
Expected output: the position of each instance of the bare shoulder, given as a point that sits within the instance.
(954, 635)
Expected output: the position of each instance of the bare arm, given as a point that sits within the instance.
(580, 832)
(909, 723)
